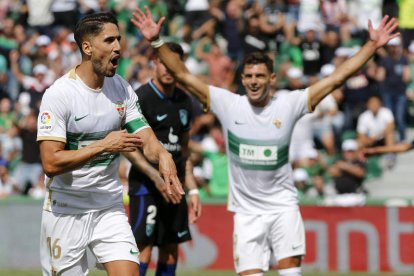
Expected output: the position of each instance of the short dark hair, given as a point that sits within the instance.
(92, 24)
(176, 48)
(258, 58)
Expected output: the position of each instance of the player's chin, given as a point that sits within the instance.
(110, 73)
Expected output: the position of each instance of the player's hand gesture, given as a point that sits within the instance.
(146, 24)
(121, 141)
(384, 33)
(168, 172)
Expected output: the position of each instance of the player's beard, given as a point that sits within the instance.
(100, 69)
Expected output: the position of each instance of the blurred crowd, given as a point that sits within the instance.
(307, 39)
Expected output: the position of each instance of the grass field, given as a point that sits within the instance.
(200, 273)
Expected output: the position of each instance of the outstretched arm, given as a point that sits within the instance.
(151, 31)
(396, 148)
(377, 38)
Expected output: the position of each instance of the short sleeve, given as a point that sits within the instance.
(220, 100)
(134, 120)
(51, 123)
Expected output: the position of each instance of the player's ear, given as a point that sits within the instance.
(86, 48)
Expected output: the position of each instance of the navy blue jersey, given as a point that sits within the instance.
(170, 118)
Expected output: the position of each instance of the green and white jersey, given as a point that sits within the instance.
(77, 115)
(257, 143)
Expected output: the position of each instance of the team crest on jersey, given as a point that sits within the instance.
(277, 123)
(183, 116)
(120, 107)
(46, 120)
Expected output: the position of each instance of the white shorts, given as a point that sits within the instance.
(65, 238)
(259, 239)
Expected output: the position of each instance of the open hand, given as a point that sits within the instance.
(169, 174)
(146, 24)
(384, 32)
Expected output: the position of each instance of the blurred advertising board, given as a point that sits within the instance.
(371, 238)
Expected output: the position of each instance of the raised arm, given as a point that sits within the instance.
(151, 31)
(377, 38)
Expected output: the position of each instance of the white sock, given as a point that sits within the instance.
(294, 271)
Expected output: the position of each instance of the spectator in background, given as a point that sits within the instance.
(311, 49)
(310, 14)
(7, 116)
(410, 88)
(36, 84)
(8, 185)
(253, 38)
(41, 54)
(232, 28)
(375, 125)
(65, 13)
(11, 146)
(301, 180)
(357, 89)
(406, 21)
(220, 67)
(334, 14)
(29, 171)
(393, 75)
(196, 14)
(40, 16)
(348, 174)
(3, 76)
(215, 158)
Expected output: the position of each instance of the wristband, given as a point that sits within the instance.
(157, 43)
(193, 192)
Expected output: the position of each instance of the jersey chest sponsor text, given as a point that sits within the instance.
(256, 154)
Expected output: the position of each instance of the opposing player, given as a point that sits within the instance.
(80, 138)
(155, 220)
(257, 129)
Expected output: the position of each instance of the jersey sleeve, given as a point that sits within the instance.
(51, 122)
(220, 100)
(134, 120)
(299, 102)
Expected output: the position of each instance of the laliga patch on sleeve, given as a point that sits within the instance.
(46, 120)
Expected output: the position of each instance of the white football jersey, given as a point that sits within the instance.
(257, 143)
(77, 115)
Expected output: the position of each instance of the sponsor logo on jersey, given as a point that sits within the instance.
(296, 246)
(80, 118)
(258, 153)
(45, 120)
(277, 123)
(161, 117)
(133, 252)
(182, 233)
(183, 116)
(239, 122)
(120, 107)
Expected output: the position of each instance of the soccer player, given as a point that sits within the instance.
(257, 128)
(154, 219)
(87, 117)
